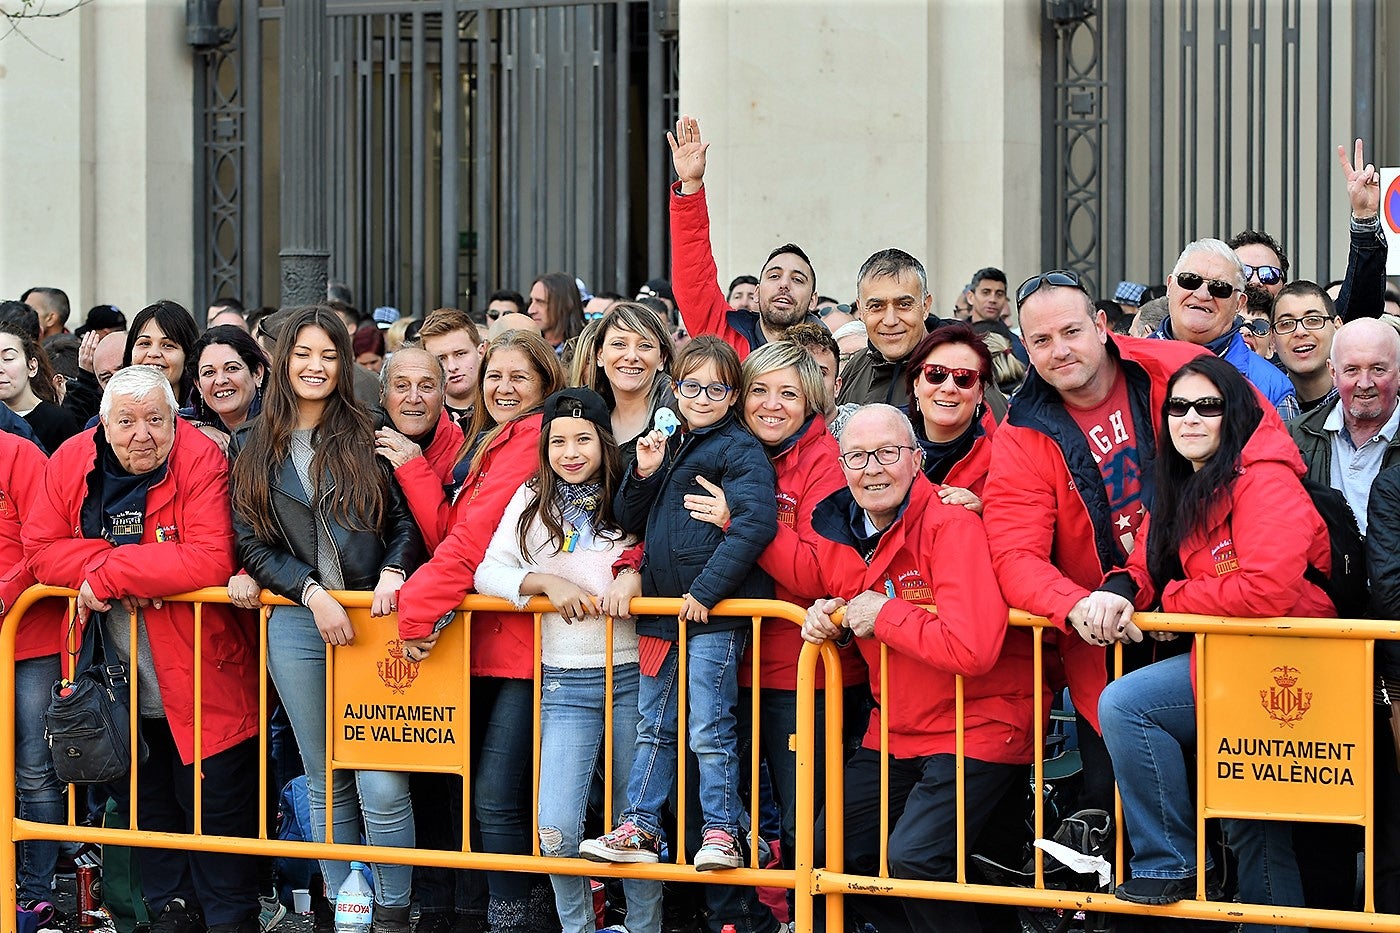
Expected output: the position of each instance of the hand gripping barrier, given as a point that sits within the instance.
(1230, 653)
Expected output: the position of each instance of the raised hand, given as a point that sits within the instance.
(688, 154)
(1363, 183)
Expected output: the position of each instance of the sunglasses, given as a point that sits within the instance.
(1266, 275)
(1218, 289)
(962, 378)
(1209, 406)
(1062, 278)
(1258, 327)
(493, 313)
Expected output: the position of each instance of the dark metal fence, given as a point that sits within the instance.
(473, 145)
(1176, 119)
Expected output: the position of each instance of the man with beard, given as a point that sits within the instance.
(787, 286)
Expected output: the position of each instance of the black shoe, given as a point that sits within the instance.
(390, 919)
(436, 922)
(1156, 890)
(251, 925)
(471, 923)
(322, 911)
(177, 918)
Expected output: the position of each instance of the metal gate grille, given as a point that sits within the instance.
(1178, 119)
(474, 145)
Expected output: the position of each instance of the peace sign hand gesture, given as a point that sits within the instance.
(1363, 183)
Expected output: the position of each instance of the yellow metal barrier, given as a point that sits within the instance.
(453, 654)
(833, 884)
(807, 880)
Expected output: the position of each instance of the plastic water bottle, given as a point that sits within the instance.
(354, 904)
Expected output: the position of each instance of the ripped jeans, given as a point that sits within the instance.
(573, 705)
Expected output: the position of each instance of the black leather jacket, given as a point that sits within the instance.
(286, 565)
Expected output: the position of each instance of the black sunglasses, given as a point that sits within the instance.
(1258, 326)
(1268, 275)
(962, 378)
(1218, 289)
(1062, 278)
(1209, 406)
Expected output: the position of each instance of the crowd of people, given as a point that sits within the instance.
(902, 476)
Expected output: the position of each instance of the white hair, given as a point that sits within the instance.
(136, 382)
(894, 415)
(1217, 248)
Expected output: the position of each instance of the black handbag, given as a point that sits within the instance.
(88, 722)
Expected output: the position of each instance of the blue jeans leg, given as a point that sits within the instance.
(573, 707)
(1267, 868)
(40, 793)
(296, 658)
(713, 675)
(653, 772)
(1149, 722)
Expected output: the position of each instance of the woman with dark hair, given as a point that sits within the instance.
(164, 335)
(948, 375)
(625, 356)
(1232, 533)
(229, 369)
(557, 307)
(500, 455)
(27, 388)
(315, 510)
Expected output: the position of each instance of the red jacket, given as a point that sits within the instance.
(503, 644)
(21, 479)
(1249, 562)
(967, 634)
(703, 305)
(422, 480)
(808, 471)
(1046, 511)
(187, 545)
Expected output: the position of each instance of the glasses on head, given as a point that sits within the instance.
(1062, 278)
(1218, 289)
(1265, 275)
(857, 459)
(962, 378)
(715, 391)
(1309, 321)
(1257, 326)
(1209, 406)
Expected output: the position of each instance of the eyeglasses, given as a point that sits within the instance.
(857, 459)
(1267, 275)
(962, 378)
(1218, 289)
(1309, 321)
(1257, 326)
(493, 313)
(715, 391)
(1062, 278)
(1209, 406)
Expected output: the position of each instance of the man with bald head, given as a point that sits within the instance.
(1345, 444)
(880, 548)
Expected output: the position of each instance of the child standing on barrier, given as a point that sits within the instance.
(558, 537)
(701, 564)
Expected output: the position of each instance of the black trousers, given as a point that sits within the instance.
(223, 886)
(923, 833)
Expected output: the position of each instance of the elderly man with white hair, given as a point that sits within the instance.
(132, 511)
(881, 548)
(1205, 297)
(1345, 444)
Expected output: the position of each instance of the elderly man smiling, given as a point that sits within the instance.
(881, 549)
(131, 512)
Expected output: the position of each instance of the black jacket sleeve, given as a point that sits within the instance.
(403, 542)
(1363, 289)
(1383, 563)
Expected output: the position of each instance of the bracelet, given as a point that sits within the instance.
(309, 590)
(626, 569)
(396, 570)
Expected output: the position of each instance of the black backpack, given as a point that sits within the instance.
(1348, 585)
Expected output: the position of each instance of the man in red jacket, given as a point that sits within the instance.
(787, 285)
(882, 548)
(1070, 480)
(133, 511)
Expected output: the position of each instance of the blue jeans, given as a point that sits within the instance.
(713, 690)
(1149, 725)
(573, 712)
(40, 793)
(1267, 868)
(296, 658)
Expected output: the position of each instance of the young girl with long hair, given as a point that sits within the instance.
(27, 389)
(315, 510)
(1232, 533)
(558, 537)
